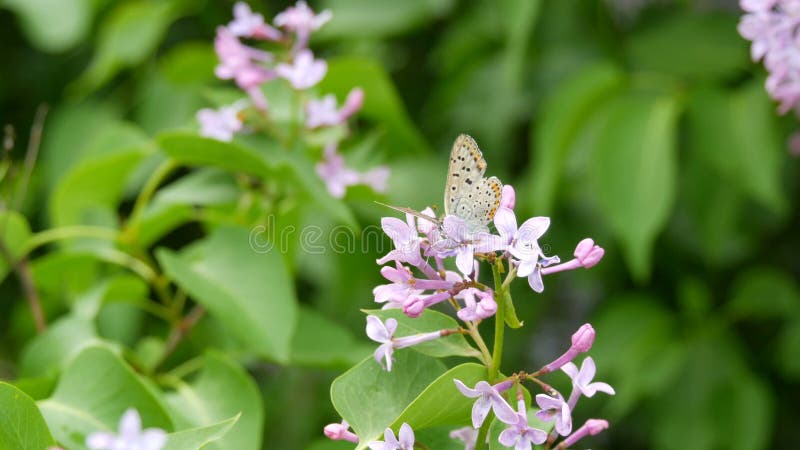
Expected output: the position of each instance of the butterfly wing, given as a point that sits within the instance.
(465, 172)
(480, 203)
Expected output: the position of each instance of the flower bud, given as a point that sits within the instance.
(413, 306)
(588, 253)
(353, 102)
(340, 432)
(583, 339)
(591, 427)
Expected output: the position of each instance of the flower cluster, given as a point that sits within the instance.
(436, 260)
(771, 26)
(291, 60)
(552, 407)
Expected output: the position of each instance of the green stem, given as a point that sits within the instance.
(480, 441)
(148, 190)
(476, 336)
(500, 293)
(69, 232)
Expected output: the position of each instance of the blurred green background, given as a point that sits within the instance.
(641, 124)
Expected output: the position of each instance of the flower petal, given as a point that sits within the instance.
(376, 330)
(406, 436)
(153, 439)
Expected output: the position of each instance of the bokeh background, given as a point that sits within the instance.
(641, 124)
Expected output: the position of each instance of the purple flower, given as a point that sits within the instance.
(483, 308)
(555, 408)
(520, 435)
(324, 112)
(220, 124)
(587, 255)
(242, 64)
(402, 287)
(302, 21)
(582, 341)
(390, 442)
(771, 26)
(340, 432)
(304, 72)
(523, 244)
(591, 427)
(467, 435)
(334, 173)
(488, 397)
(459, 239)
(383, 333)
(582, 379)
(376, 178)
(251, 25)
(131, 436)
(405, 238)
(508, 198)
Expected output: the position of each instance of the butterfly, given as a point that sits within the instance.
(467, 194)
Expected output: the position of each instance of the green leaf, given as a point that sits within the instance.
(222, 389)
(430, 320)
(15, 232)
(130, 33)
(194, 150)
(633, 171)
(694, 46)
(788, 347)
(379, 18)
(53, 25)
(22, 426)
(201, 437)
(442, 403)
(764, 294)
(90, 192)
(737, 134)
(189, 63)
(321, 342)
(62, 340)
(564, 113)
(249, 291)
(94, 391)
(206, 186)
(370, 398)
(382, 103)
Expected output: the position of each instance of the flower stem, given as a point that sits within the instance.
(499, 320)
(480, 441)
(68, 232)
(148, 190)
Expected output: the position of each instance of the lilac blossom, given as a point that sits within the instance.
(304, 72)
(582, 341)
(467, 435)
(488, 398)
(523, 244)
(591, 427)
(555, 408)
(483, 308)
(587, 255)
(403, 286)
(338, 177)
(383, 333)
(508, 198)
(376, 178)
(520, 435)
(220, 124)
(324, 112)
(242, 64)
(406, 240)
(390, 442)
(130, 437)
(465, 243)
(340, 432)
(302, 21)
(771, 26)
(247, 24)
(582, 381)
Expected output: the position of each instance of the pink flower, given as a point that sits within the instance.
(383, 333)
(523, 244)
(587, 255)
(467, 435)
(403, 286)
(555, 408)
(390, 442)
(130, 437)
(520, 435)
(488, 397)
(465, 243)
(304, 72)
(242, 64)
(376, 178)
(302, 21)
(591, 427)
(340, 432)
(508, 197)
(582, 380)
(334, 173)
(324, 113)
(220, 124)
(406, 240)
(484, 308)
(251, 25)
(582, 341)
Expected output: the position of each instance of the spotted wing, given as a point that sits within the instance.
(480, 203)
(466, 169)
